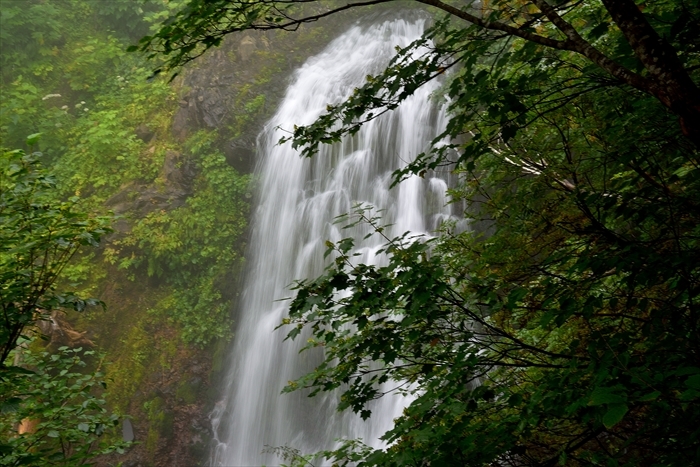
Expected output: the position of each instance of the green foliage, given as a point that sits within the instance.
(540, 342)
(29, 30)
(39, 235)
(61, 407)
(64, 73)
(130, 364)
(23, 112)
(88, 98)
(251, 107)
(197, 246)
(569, 334)
(35, 33)
(44, 81)
(131, 18)
(104, 134)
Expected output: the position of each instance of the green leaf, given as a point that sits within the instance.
(599, 30)
(515, 400)
(650, 397)
(614, 415)
(11, 405)
(693, 382)
(601, 396)
(33, 139)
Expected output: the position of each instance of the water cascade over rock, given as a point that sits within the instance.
(298, 201)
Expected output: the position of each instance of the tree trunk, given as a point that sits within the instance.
(672, 84)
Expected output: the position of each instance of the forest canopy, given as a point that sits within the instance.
(567, 332)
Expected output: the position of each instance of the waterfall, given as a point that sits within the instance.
(298, 200)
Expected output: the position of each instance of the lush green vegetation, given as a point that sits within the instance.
(196, 246)
(39, 236)
(78, 87)
(55, 410)
(165, 272)
(568, 333)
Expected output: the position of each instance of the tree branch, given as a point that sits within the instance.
(576, 43)
(497, 26)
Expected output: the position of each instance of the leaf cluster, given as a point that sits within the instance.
(60, 407)
(39, 236)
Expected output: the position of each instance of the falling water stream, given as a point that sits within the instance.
(298, 201)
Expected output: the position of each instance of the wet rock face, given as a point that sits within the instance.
(219, 87)
(178, 171)
(144, 199)
(240, 153)
(144, 133)
(217, 95)
(202, 108)
(216, 92)
(247, 47)
(210, 99)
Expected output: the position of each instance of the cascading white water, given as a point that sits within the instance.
(299, 198)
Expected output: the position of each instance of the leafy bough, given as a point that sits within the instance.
(403, 323)
(38, 237)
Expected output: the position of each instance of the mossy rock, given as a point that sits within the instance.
(188, 391)
(198, 450)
